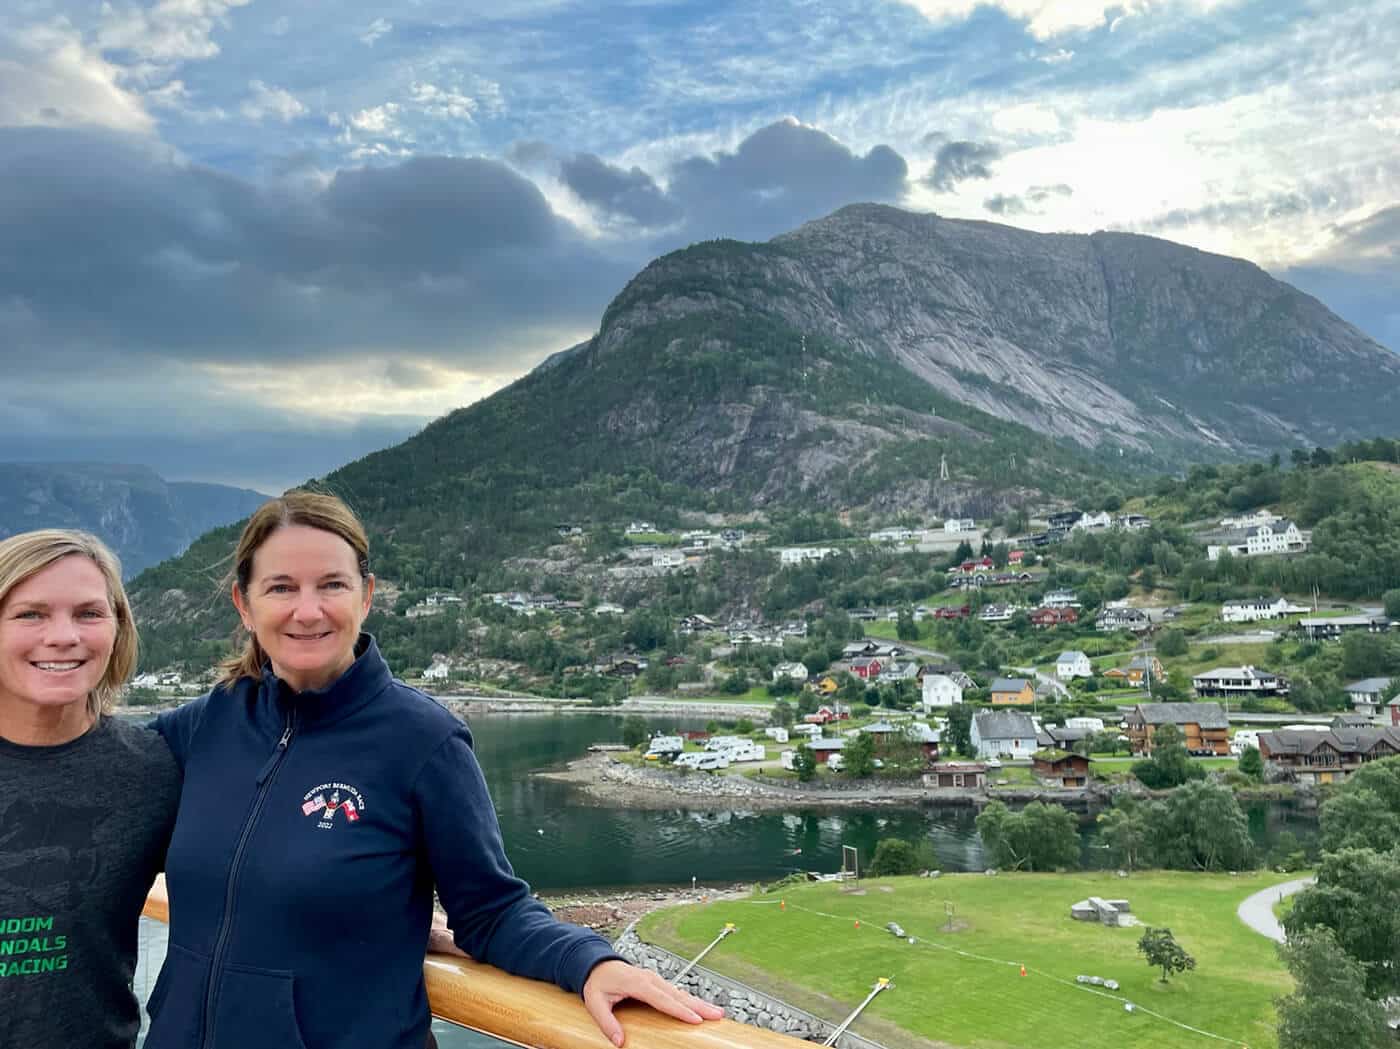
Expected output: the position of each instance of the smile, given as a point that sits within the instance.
(60, 668)
(310, 637)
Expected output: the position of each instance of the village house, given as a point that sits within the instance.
(983, 564)
(1093, 522)
(1048, 618)
(796, 555)
(1072, 664)
(1132, 619)
(1256, 609)
(952, 612)
(1015, 558)
(1062, 737)
(622, 666)
(926, 736)
(1060, 768)
(1133, 522)
(696, 624)
(823, 748)
(998, 733)
(568, 531)
(956, 775)
(641, 528)
(1239, 683)
(1250, 520)
(907, 670)
(997, 613)
(668, 559)
(863, 615)
(440, 670)
(1203, 726)
(867, 668)
(1325, 628)
(790, 671)
(731, 536)
(797, 628)
(1060, 599)
(1317, 758)
(825, 685)
(892, 535)
(1366, 694)
(951, 670)
(1012, 692)
(1136, 672)
(959, 524)
(607, 608)
(1274, 537)
(940, 690)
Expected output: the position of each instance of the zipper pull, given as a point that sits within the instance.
(277, 754)
(286, 736)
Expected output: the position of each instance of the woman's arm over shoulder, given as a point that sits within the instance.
(179, 726)
(491, 912)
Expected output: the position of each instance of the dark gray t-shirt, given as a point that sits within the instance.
(83, 832)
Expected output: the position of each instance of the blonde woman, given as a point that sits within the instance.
(322, 803)
(87, 801)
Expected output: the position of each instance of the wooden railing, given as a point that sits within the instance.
(541, 1016)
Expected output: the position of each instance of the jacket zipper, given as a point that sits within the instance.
(266, 778)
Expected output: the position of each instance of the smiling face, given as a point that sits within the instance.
(57, 630)
(305, 604)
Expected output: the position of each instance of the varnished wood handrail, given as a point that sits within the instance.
(541, 1016)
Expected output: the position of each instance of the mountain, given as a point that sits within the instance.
(144, 518)
(844, 365)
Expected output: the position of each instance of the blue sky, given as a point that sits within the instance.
(247, 241)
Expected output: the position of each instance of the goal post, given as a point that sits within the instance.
(850, 863)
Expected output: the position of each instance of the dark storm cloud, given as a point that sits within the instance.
(108, 245)
(779, 177)
(960, 161)
(631, 195)
(1359, 276)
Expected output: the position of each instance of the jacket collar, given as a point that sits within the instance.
(367, 677)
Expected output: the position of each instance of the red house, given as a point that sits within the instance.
(971, 567)
(1052, 617)
(867, 668)
(949, 612)
(1015, 557)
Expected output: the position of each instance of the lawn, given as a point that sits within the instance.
(811, 952)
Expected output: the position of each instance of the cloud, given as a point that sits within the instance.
(1008, 206)
(49, 76)
(266, 101)
(442, 103)
(166, 33)
(376, 29)
(1051, 18)
(631, 195)
(376, 120)
(959, 161)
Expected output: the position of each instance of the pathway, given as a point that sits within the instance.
(1258, 910)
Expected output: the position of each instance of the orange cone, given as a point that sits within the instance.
(857, 923)
(1023, 970)
(782, 905)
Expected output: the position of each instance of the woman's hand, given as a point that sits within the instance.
(440, 937)
(614, 981)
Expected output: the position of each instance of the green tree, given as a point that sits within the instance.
(960, 729)
(804, 762)
(1172, 643)
(1391, 599)
(744, 727)
(895, 856)
(858, 755)
(1163, 952)
(1201, 826)
(1328, 1008)
(1170, 765)
(634, 730)
(783, 714)
(1365, 812)
(905, 627)
(1357, 897)
(1038, 838)
(1127, 831)
(1251, 763)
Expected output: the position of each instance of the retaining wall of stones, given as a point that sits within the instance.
(740, 1001)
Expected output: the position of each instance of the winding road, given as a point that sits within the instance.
(1257, 911)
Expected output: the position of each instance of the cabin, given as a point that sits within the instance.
(956, 775)
(1318, 758)
(1072, 664)
(1060, 768)
(1239, 683)
(1003, 732)
(1046, 618)
(823, 749)
(1136, 672)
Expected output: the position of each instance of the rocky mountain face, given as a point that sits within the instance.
(144, 518)
(1110, 340)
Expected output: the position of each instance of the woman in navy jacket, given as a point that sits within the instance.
(322, 802)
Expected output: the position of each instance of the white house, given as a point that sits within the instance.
(960, 524)
(1250, 520)
(1093, 522)
(1276, 537)
(1004, 732)
(791, 671)
(668, 559)
(1366, 695)
(1072, 664)
(641, 528)
(776, 733)
(1087, 724)
(607, 608)
(796, 555)
(1255, 609)
(1060, 599)
(439, 671)
(892, 535)
(940, 690)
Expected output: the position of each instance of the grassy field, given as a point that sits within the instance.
(812, 953)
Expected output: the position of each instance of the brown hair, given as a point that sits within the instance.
(29, 553)
(297, 507)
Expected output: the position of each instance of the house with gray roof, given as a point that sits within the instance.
(1366, 694)
(998, 733)
(1204, 727)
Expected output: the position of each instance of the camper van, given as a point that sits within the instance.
(703, 761)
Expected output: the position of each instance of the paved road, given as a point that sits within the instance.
(1045, 679)
(1258, 910)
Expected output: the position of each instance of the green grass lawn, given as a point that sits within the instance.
(812, 954)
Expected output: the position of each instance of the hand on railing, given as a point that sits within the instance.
(615, 981)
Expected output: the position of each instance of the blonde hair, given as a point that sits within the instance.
(29, 553)
(297, 507)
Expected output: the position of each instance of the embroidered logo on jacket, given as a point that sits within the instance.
(327, 799)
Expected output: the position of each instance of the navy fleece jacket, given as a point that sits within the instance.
(311, 831)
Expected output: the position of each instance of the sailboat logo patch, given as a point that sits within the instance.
(328, 799)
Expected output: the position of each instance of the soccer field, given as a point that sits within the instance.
(963, 988)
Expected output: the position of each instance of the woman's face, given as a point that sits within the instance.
(305, 604)
(57, 629)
